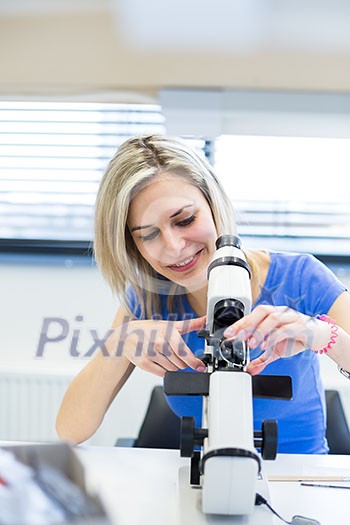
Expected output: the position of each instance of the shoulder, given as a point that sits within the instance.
(296, 263)
(302, 268)
(302, 282)
(275, 264)
(259, 261)
(304, 264)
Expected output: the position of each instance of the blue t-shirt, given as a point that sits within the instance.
(303, 283)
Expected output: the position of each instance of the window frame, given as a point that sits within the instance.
(210, 113)
(15, 248)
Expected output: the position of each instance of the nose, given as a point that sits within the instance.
(173, 243)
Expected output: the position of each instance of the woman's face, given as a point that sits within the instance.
(173, 228)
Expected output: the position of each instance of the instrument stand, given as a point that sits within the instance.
(189, 506)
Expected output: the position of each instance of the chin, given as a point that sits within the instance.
(194, 283)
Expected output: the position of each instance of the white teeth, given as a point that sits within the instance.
(185, 262)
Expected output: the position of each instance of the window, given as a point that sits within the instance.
(52, 156)
(288, 191)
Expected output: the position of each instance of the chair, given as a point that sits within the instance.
(160, 427)
(337, 430)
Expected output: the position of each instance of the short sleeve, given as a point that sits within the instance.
(319, 286)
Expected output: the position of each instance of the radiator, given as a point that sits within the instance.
(31, 394)
(29, 403)
(30, 399)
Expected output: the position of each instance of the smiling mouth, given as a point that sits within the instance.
(187, 263)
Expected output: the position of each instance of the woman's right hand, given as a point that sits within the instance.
(156, 346)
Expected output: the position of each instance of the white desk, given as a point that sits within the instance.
(140, 487)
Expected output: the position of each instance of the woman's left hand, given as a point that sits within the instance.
(280, 332)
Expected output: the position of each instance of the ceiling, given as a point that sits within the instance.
(242, 25)
(29, 7)
(143, 46)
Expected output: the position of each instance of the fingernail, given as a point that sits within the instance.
(229, 331)
(201, 368)
(252, 342)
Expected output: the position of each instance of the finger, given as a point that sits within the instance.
(260, 322)
(275, 327)
(255, 369)
(165, 363)
(166, 350)
(249, 322)
(183, 352)
(190, 325)
(148, 366)
(257, 365)
(284, 345)
(281, 349)
(162, 354)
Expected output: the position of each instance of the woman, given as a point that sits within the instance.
(159, 211)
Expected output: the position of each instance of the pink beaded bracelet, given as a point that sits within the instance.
(334, 333)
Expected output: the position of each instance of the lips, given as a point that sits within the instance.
(186, 264)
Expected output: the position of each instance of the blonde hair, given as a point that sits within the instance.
(136, 163)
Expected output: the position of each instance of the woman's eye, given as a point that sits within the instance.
(150, 236)
(186, 222)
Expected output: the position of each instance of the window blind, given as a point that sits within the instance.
(320, 228)
(288, 192)
(52, 156)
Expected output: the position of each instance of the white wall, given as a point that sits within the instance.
(31, 292)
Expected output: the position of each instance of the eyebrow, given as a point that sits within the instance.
(171, 217)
